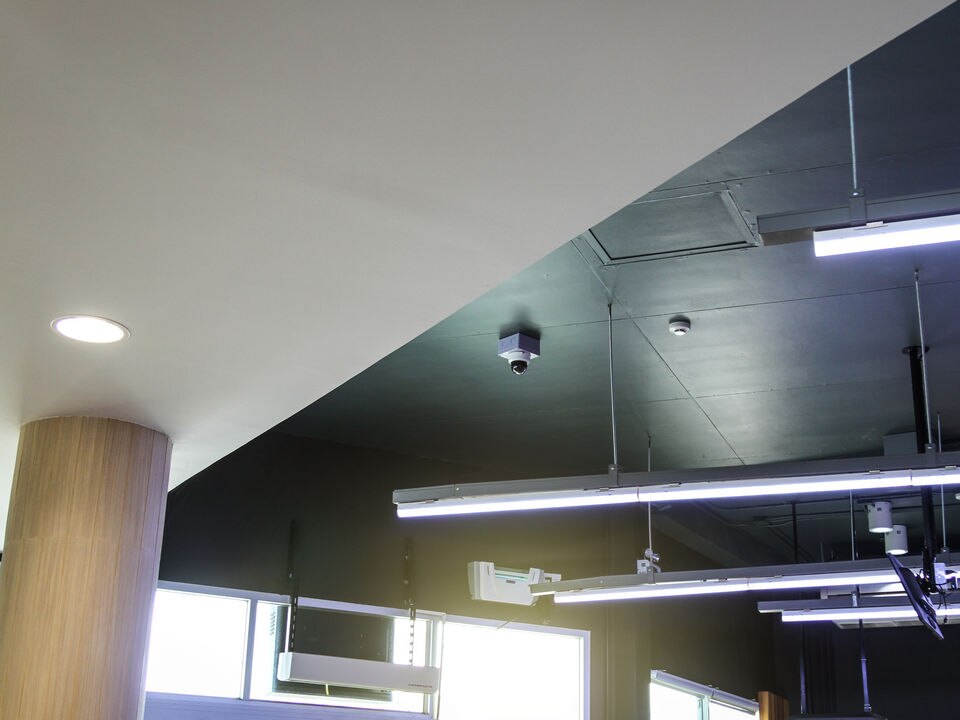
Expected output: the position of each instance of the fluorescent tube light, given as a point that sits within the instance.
(800, 582)
(861, 613)
(884, 236)
(936, 476)
(732, 585)
(521, 501)
(775, 486)
(639, 592)
(710, 490)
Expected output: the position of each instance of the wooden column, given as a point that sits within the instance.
(79, 569)
(772, 706)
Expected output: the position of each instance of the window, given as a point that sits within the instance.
(718, 711)
(666, 703)
(510, 674)
(197, 644)
(200, 647)
(674, 698)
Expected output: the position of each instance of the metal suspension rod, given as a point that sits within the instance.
(923, 359)
(650, 505)
(853, 532)
(926, 492)
(863, 672)
(943, 503)
(803, 630)
(853, 131)
(613, 403)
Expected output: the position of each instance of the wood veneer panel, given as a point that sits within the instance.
(772, 706)
(79, 568)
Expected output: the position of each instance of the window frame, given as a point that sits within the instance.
(705, 694)
(434, 653)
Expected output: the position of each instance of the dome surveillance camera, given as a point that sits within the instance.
(518, 350)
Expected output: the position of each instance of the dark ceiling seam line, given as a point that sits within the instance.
(613, 298)
(786, 301)
(497, 334)
(573, 409)
(628, 316)
(818, 386)
(685, 389)
(795, 171)
(709, 510)
(593, 266)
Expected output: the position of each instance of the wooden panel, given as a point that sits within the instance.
(80, 568)
(772, 706)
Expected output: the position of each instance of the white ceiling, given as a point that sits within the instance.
(274, 195)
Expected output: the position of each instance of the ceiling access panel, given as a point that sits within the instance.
(672, 223)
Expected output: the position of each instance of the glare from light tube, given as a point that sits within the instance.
(886, 236)
(761, 488)
(936, 476)
(712, 587)
(90, 329)
(861, 613)
(508, 503)
(800, 582)
(652, 591)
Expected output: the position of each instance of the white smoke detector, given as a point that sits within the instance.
(679, 326)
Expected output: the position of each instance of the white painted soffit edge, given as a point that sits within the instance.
(272, 196)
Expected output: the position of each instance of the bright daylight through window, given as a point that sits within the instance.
(509, 674)
(690, 701)
(199, 647)
(197, 644)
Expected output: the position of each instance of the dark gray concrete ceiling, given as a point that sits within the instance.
(790, 357)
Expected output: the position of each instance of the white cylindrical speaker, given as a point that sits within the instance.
(895, 541)
(879, 517)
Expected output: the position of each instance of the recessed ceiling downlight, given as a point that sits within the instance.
(89, 328)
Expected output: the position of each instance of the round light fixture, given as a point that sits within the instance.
(90, 329)
(895, 542)
(879, 517)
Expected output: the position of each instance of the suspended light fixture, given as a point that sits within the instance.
(875, 614)
(886, 235)
(801, 576)
(895, 541)
(879, 517)
(595, 490)
(732, 585)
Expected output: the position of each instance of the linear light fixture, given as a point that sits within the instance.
(886, 235)
(875, 614)
(712, 586)
(875, 605)
(476, 498)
